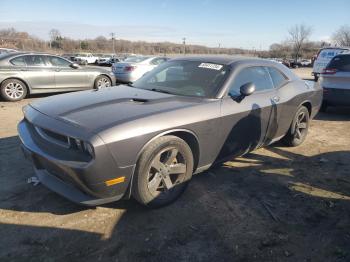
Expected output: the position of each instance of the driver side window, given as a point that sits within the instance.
(174, 73)
(258, 75)
(58, 62)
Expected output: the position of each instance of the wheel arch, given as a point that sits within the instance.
(104, 74)
(308, 105)
(187, 135)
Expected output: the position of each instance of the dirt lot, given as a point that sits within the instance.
(275, 204)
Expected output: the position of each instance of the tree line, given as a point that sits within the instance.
(11, 38)
(297, 44)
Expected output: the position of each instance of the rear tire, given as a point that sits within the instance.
(102, 81)
(298, 130)
(162, 172)
(13, 90)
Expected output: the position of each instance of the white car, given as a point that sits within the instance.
(134, 67)
(324, 56)
(86, 58)
(305, 62)
(335, 81)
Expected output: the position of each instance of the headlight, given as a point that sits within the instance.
(89, 148)
(82, 146)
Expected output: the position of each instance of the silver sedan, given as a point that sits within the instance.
(134, 67)
(31, 73)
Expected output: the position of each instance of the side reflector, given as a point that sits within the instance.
(115, 181)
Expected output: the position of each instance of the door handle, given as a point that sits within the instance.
(57, 70)
(276, 99)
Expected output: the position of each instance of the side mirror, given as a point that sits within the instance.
(74, 65)
(247, 89)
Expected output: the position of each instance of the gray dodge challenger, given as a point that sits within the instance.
(146, 140)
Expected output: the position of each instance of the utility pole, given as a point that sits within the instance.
(113, 38)
(184, 45)
(219, 47)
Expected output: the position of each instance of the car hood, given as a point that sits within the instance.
(97, 110)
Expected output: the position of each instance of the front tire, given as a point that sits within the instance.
(102, 82)
(298, 130)
(13, 90)
(162, 172)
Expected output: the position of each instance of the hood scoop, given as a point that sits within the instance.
(138, 100)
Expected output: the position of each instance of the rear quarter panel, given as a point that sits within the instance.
(292, 96)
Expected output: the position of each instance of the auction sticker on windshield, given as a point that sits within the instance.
(210, 66)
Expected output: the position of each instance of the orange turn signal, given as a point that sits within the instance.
(115, 181)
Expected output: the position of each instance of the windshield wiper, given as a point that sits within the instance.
(160, 90)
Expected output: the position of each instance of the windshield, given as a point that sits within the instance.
(135, 59)
(187, 78)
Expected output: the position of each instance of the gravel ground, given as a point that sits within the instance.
(275, 204)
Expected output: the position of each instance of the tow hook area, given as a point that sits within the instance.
(33, 180)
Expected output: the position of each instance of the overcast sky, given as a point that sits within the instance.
(247, 24)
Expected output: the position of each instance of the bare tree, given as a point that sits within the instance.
(54, 34)
(299, 34)
(342, 36)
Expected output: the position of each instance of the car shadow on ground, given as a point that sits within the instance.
(262, 207)
(334, 114)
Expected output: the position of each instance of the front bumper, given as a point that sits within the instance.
(78, 179)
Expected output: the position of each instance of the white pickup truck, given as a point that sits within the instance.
(85, 58)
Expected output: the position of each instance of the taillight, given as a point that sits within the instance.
(129, 68)
(329, 71)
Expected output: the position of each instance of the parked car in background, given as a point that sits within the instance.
(335, 81)
(305, 62)
(324, 56)
(7, 50)
(31, 73)
(103, 58)
(133, 67)
(85, 58)
(110, 61)
(70, 57)
(181, 118)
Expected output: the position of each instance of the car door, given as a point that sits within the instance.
(67, 77)
(245, 121)
(282, 110)
(37, 73)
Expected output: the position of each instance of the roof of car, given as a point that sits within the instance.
(8, 55)
(224, 60)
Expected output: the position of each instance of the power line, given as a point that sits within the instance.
(113, 38)
(184, 45)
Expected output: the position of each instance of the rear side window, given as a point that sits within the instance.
(341, 63)
(278, 78)
(35, 60)
(18, 61)
(57, 61)
(258, 75)
(158, 61)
